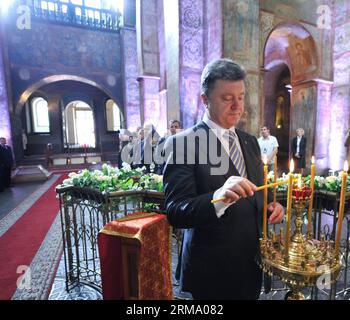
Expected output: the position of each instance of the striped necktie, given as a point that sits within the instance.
(236, 155)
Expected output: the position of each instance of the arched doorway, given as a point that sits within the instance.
(79, 127)
(290, 65)
(59, 91)
(82, 117)
(277, 109)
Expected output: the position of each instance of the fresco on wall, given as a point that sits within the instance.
(327, 55)
(302, 57)
(214, 16)
(250, 120)
(341, 11)
(150, 50)
(341, 71)
(151, 105)
(54, 47)
(305, 10)
(323, 121)
(340, 111)
(190, 96)
(241, 26)
(304, 114)
(342, 39)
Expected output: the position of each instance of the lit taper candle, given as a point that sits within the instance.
(275, 180)
(289, 206)
(311, 203)
(265, 196)
(341, 207)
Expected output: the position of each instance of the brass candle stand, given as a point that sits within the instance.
(307, 259)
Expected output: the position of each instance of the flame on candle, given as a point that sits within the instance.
(346, 166)
(312, 160)
(291, 165)
(299, 181)
(264, 159)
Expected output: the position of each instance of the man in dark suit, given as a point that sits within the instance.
(208, 161)
(7, 160)
(299, 150)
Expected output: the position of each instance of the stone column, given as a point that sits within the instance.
(310, 110)
(148, 56)
(5, 123)
(131, 86)
(323, 137)
(172, 51)
(191, 59)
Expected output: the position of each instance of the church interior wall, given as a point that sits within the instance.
(184, 37)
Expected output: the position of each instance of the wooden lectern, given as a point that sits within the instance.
(135, 257)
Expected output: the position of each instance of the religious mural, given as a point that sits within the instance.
(250, 120)
(214, 25)
(190, 99)
(323, 121)
(340, 111)
(50, 48)
(149, 40)
(304, 113)
(241, 25)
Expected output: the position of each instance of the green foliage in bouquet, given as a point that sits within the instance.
(330, 183)
(110, 179)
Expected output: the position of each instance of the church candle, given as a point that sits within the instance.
(289, 205)
(312, 183)
(341, 207)
(265, 196)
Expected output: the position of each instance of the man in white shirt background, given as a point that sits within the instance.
(268, 146)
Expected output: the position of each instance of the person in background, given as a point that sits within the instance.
(7, 162)
(48, 155)
(174, 128)
(150, 141)
(24, 142)
(299, 150)
(268, 146)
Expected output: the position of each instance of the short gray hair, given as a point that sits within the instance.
(220, 69)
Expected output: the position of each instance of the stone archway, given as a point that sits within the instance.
(291, 49)
(60, 90)
(56, 78)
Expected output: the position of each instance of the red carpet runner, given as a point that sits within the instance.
(20, 243)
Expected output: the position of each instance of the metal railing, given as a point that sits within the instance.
(55, 11)
(83, 213)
